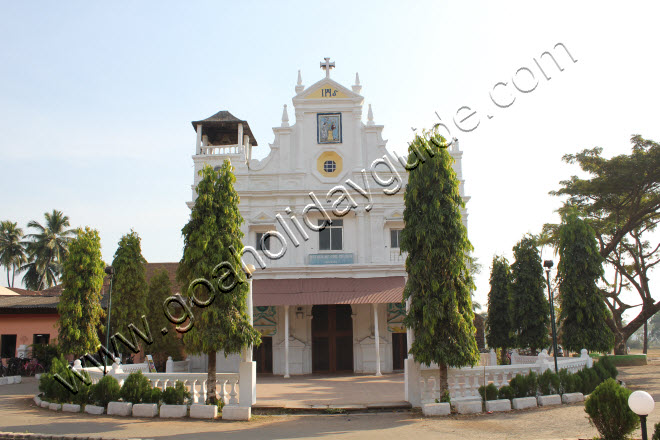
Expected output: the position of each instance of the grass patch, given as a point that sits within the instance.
(624, 360)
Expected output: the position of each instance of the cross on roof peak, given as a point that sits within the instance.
(327, 65)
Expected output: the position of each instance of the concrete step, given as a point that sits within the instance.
(325, 408)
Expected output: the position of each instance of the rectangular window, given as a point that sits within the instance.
(395, 238)
(40, 339)
(331, 238)
(8, 346)
(266, 245)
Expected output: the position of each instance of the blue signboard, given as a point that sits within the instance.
(316, 259)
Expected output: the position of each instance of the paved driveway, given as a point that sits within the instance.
(310, 390)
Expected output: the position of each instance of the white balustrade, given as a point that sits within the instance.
(218, 150)
(397, 256)
(464, 382)
(194, 382)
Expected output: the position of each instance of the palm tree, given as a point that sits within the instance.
(47, 248)
(12, 251)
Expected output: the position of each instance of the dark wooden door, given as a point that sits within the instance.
(332, 338)
(263, 354)
(399, 350)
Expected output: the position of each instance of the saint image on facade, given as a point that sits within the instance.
(329, 128)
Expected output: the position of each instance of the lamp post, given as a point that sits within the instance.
(548, 265)
(642, 404)
(110, 271)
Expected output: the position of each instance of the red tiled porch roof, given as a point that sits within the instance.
(310, 291)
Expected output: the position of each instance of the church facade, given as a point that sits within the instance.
(323, 215)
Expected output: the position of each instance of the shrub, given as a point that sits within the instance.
(155, 396)
(44, 354)
(569, 382)
(446, 397)
(488, 392)
(506, 392)
(54, 391)
(656, 432)
(532, 382)
(524, 386)
(609, 412)
(601, 371)
(518, 386)
(176, 395)
(549, 383)
(590, 380)
(608, 363)
(105, 391)
(136, 388)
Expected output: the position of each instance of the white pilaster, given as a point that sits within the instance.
(286, 342)
(240, 135)
(409, 332)
(361, 237)
(250, 305)
(198, 144)
(377, 340)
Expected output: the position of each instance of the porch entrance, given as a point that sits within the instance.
(332, 338)
(263, 354)
(399, 350)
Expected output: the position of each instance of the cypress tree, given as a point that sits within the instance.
(498, 323)
(529, 307)
(439, 280)
(214, 227)
(160, 288)
(582, 320)
(80, 305)
(129, 288)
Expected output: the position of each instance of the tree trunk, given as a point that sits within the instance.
(443, 377)
(210, 382)
(619, 343)
(503, 356)
(646, 337)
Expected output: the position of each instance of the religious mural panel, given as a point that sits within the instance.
(395, 314)
(328, 128)
(264, 320)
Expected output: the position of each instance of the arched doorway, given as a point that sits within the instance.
(332, 338)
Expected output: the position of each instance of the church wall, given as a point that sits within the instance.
(284, 179)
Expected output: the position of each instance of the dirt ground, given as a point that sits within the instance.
(646, 378)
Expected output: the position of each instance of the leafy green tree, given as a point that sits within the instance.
(80, 305)
(438, 263)
(12, 251)
(213, 230)
(583, 315)
(621, 202)
(169, 344)
(129, 288)
(529, 308)
(47, 249)
(498, 324)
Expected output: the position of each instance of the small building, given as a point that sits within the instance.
(26, 318)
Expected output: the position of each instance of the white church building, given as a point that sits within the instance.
(323, 212)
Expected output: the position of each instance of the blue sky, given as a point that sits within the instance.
(96, 99)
